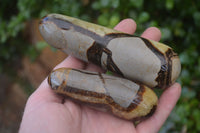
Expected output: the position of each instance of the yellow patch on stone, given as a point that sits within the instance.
(100, 30)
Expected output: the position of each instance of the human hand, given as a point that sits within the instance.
(46, 112)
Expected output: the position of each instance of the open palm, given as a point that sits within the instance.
(46, 112)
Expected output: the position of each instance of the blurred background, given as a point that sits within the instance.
(25, 59)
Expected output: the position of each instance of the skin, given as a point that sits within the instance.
(47, 112)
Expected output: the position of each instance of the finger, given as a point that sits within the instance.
(127, 25)
(43, 94)
(94, 68)
(71, 62)
(166, 103)
(152, 33)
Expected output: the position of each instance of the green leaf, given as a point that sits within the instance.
(187, 93)
(136, 3)
(196, 17)
(143, 17)
(96, 5)
(114, 20)
(109, 72)
(166, 33)
(115, 3)
(41, 45)
(103, 19)
(153, 23)
(104, 3)
(169, 4)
